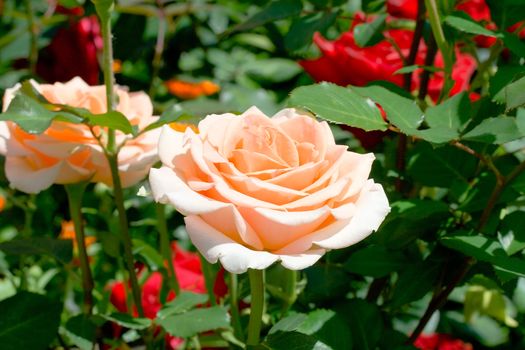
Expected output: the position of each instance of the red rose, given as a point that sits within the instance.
(189, 274)
(402, 8)
(345, 63)
(72, 52)
(440, 342)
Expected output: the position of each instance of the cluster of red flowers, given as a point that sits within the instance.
(343, 62)
(189, 275)
(438, 341)
(74, 49)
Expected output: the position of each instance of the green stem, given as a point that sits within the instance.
(165, 248)
(441, 41)
(159, 48)
(33, 45)
(290, 290)
(27, 231)
(208, 279)
(75, 193)
(124, 230)
(107, 66)
(257, 306)
(234, 306)
(104, 9)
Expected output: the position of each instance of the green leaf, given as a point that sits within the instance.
(60, 249)
(333, 331)
(511, 234)
(359, 316)
(290, 341)
(469, 26)
(513, 94)
(302, 29)
(514, 44)
(112, 120)
(367, 34)
(447, 119)
(196, 321)
(182, 302)
(497, 130)
(170, 115)
(128, 321)
(150, 255)
(29, 114)
(441, 166)
(289, 323)
(275, 11)
(81, 331)
(486, 249)
(453, 113)
(338, 105)
(315, 321)
(272, 70)
(520, 121)
(484, 301)
(28, 321)
(408, 290)
(376, 261)
(400, 111)
(414, 67)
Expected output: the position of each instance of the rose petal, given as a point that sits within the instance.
(370, 210)
(24, 177)
(215, 246)
(166, 187)
(302, 261)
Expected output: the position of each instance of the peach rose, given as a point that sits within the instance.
(68, 153)
(257, 190)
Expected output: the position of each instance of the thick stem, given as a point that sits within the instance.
(109, 79)
(440, 299)
(234, 306)
(104, 10)
(75, 193)
(159, 48)
(33, 45)
(407, 85)
(416, 40)
(425, 75)
(124, 230)
(442, 44)
(166, 249)
(290, 290)
(257, 306)
(208, 279)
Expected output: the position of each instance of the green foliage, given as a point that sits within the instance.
(128, 321)
(81, 330)
(60, 249)
(338, 105)
(192, 322)
(28, 314)
(367, 34)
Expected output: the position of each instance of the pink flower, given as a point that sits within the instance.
(257, 190)
(69, 153)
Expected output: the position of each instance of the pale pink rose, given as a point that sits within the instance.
(68, 153)
(257, 190)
